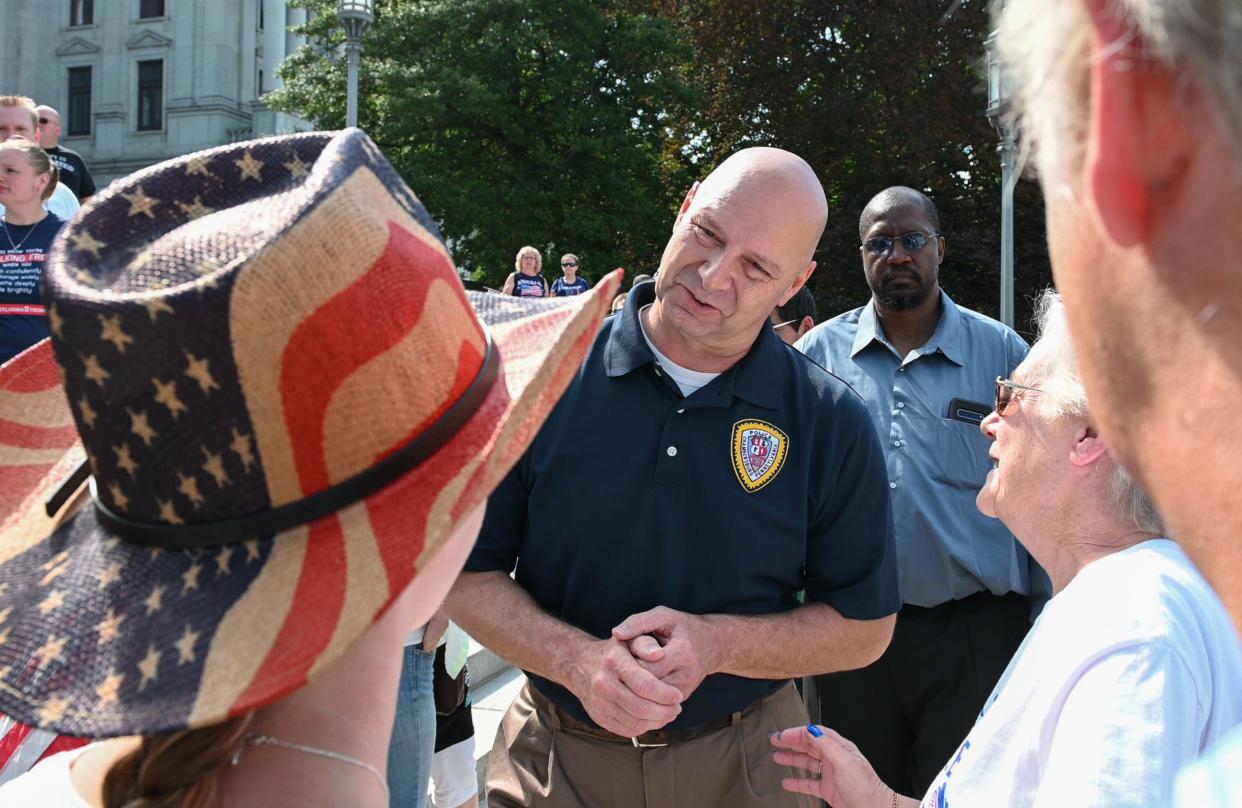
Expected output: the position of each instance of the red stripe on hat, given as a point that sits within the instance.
(391, 517)
(24, 436)
(312, 616)
(38, 371)
(18, 483)
(329, 346)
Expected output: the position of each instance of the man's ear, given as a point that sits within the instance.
(796, 284)
(806, 325)
(1088, 445)
(685, 203)
(1137, 136)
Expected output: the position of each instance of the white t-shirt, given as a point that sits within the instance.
(47, 785)
(1214, 780)
(1127, 675)
(688, 381)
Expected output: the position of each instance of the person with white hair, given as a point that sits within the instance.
(1131, 669)
(1132, 113)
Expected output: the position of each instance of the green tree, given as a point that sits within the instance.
(540, 122)
(872, 95)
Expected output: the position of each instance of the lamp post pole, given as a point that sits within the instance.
(998, 96)
(356, 17)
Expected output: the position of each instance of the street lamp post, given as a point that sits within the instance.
(356, 17)
(998, 97)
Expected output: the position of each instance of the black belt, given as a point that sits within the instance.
(656, 737)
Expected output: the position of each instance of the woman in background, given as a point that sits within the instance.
(27, 178)
(525, 280)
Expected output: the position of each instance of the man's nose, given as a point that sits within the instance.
(898, 254)
(988, 425)
(715, 273)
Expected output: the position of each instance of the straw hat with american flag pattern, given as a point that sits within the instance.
(266, 404)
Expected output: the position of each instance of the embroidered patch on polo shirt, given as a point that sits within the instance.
(759, 450)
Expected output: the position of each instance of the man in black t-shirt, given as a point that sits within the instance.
(73, 170)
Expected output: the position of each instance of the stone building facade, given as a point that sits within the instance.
(139, 81)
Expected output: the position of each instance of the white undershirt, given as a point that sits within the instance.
(688, 381)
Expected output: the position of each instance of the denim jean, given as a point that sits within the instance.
(413, 732)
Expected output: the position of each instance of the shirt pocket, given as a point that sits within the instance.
(960, 453)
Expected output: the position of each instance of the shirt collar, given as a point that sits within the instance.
(627, 350)
(947, 338)
(759, 376)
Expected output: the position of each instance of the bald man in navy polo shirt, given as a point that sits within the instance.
(698, 474)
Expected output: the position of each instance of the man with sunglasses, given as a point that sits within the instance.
(73, 170)
(571, 283)
(925, 368)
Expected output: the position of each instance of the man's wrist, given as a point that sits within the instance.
(713, 631)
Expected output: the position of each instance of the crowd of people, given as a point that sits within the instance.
(41, 185)
(232, 518)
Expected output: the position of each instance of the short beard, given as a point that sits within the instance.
(902, 301)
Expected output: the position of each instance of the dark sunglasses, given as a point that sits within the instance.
(913, 242)
(44, 121)
(1006, 392)
(569, 263)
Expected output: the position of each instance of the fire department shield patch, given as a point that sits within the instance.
(759, 451)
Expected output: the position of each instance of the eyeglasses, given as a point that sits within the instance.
(782, 325)
(43, 120)
(1006, 393)
(569, 263)
(913, 242)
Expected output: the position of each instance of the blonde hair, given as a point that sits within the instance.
(26, 103)
(1045, 46)
(528, 250)
(176, 769)
(39, 161)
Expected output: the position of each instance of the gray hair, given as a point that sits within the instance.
(1061, 394)
(1045, 46)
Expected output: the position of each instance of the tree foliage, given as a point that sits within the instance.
(577, 125)
(524, 122)
(872, 95)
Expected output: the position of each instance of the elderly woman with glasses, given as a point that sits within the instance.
(1131, 670)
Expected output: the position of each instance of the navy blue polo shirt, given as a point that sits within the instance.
(766, 481)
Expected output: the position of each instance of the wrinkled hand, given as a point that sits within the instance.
(839, 772)
(619, 694)
(675, 646)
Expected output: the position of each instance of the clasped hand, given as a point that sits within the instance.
(636, 681)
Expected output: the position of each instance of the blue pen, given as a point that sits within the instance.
(814, 730)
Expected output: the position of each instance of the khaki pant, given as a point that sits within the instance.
(536, 762)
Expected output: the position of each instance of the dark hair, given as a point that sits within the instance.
(175, 769)
(894, 197)
(800, 305)
(39, 161)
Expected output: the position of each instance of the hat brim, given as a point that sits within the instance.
(101, 637)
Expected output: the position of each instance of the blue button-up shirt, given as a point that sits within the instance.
(633, 496)
(946, 549)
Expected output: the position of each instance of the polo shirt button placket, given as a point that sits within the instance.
(672, 451)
